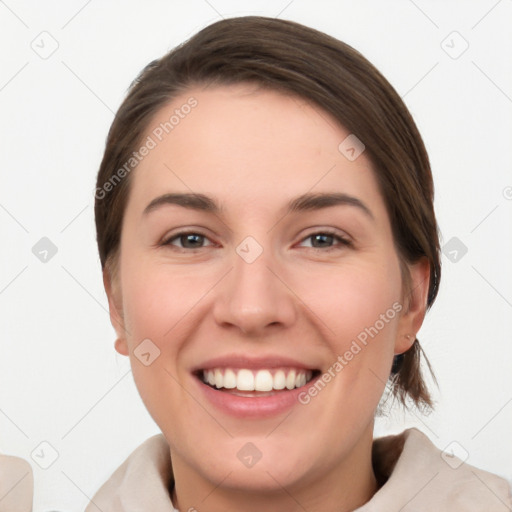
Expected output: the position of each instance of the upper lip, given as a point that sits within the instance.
(252, 363)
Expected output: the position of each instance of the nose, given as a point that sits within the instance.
(254, 297)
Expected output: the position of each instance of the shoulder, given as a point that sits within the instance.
(145, 475)
(16, 484)
(419, 477)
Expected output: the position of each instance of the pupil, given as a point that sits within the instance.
(191, 238)
(195, 240)
(322, 239)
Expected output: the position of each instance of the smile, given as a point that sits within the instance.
(263, 380)
(254, 387)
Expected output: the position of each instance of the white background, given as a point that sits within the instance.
(61, 380)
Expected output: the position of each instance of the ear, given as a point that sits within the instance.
(415, 305)
(115, 306)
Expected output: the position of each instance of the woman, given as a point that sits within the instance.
(265, 223)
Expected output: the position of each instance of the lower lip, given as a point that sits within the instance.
(252, 407)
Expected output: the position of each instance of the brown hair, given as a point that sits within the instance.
(296, 60)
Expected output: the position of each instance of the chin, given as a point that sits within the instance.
(259, 463)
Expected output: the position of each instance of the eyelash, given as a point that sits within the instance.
(343, 242)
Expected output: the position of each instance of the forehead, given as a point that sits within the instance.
(248, 144)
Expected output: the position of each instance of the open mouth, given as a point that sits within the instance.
(251, 383)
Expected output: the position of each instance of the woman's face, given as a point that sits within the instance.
(265, 279)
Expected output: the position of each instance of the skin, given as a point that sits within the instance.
(253, 150)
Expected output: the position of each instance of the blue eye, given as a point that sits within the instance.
(188, 240)
(322, 240)
(326, 239)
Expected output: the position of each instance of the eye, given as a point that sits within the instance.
(187, 240)
(325, 240)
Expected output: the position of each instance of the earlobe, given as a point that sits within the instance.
(415, 305)
(404, 342)
(121, 346)
(114, 305)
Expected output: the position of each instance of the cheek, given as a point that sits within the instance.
(160, 304)
(156, 300)
(357, 309)
(152, 305)
(352, 299)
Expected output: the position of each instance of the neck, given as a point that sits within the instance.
(342, 487)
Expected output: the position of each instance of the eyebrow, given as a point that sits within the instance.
(302, 203)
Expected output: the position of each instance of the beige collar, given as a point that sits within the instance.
(421, 478)
(415, 478)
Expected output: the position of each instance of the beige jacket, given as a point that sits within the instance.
(418, 478)
(16, 485)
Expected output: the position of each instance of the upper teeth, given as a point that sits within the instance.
(256, 380)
